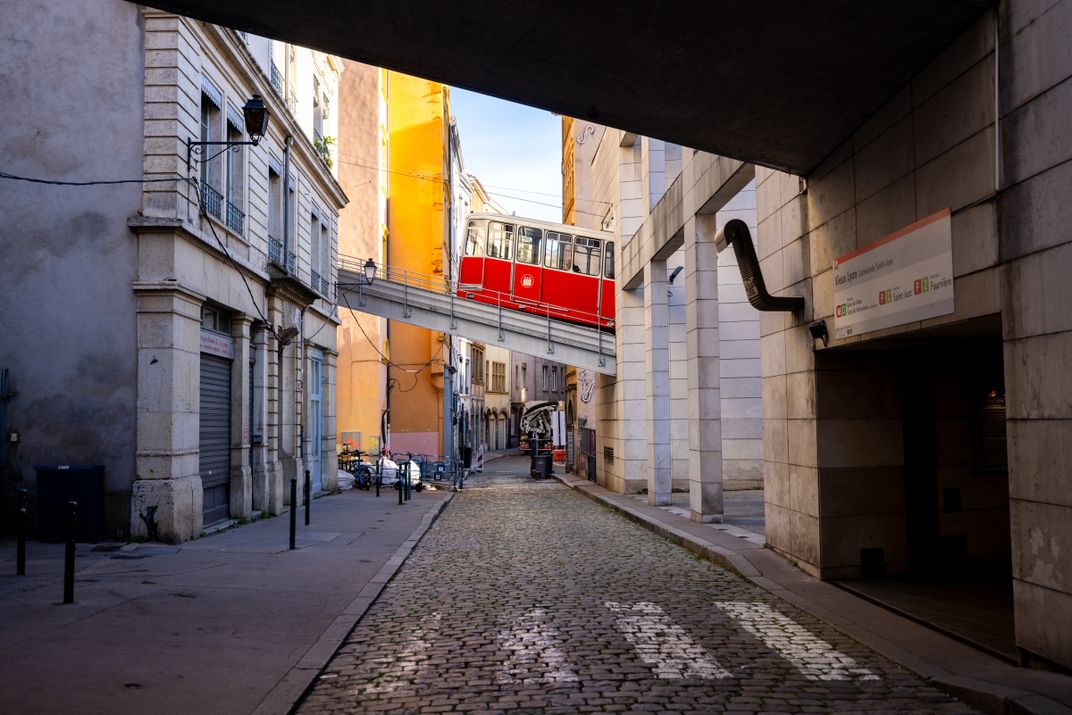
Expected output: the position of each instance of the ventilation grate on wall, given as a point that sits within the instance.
(608, 455)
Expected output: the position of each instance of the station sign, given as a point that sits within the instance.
(901, 278)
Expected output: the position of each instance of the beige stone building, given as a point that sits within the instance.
(496, 397)
(637, 425)
(181, 331)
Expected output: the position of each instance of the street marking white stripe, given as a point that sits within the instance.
(534, 646)
(813, 657)
(663, 644)
(401, 669)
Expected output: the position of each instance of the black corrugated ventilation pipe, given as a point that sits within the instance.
(735, 233)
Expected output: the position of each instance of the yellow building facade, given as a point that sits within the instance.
(418, 220)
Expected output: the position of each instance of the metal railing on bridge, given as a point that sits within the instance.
(432, 302)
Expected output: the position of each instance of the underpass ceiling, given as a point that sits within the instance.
(780, 83)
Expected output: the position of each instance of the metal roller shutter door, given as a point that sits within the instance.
(215, 462)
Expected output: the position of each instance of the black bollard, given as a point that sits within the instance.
(68, 553)
(398, 484)
(20, 548)
(379, 465)
(308, 495)
(293, 512)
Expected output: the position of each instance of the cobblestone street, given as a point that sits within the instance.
(525, 596)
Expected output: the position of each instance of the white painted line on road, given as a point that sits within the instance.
(402, 668)
(813, 657)
(534, 647)
(663, 644)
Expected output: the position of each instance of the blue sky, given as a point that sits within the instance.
(514, 150)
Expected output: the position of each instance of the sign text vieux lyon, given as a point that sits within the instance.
(901, 278)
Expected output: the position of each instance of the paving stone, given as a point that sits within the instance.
(526, 597)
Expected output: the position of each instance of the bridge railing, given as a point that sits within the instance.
(414, 279)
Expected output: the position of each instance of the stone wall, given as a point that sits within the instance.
(832, 419)
(66, 308)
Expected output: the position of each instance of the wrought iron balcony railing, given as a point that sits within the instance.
(275, 251)
(292, 102)
(212, 200)
(235, 218)
(277, 79)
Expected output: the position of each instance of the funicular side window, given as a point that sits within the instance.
(528, 245)
(558, 251)
(474, 240)
(608, 261)
(586, 256)
(500, 239)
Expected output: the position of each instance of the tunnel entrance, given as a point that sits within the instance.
(952, 568)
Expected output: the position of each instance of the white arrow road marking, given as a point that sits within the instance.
(812, 656)
(533, 645)
(402, 668)
(663, 644)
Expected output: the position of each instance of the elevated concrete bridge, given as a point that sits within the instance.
(429, 302)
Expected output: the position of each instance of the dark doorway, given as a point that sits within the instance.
(958, 577)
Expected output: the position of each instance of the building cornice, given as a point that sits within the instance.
(152, 224)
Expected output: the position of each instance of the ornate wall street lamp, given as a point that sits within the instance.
(256, 116)
(370, 275)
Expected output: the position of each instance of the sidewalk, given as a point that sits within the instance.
(978, 679)
(232, 622)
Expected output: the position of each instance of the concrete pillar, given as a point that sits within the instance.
(276, 491)
(167, 496)
(628, 457)
(329, 458)
(657, 368)
(701, 330)
(679, 383)
(241, 494)
(259, 437)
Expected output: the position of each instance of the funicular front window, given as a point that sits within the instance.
(528, 245)
(474, 240)
(500, 239)
(559, 250)
(586, 256)
(608, 262)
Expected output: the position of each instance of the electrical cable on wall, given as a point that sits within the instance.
(200, 203)
(408, 371)
(422, 177)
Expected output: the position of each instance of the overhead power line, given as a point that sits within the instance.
(438, 179)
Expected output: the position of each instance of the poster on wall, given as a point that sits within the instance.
(901, 278)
